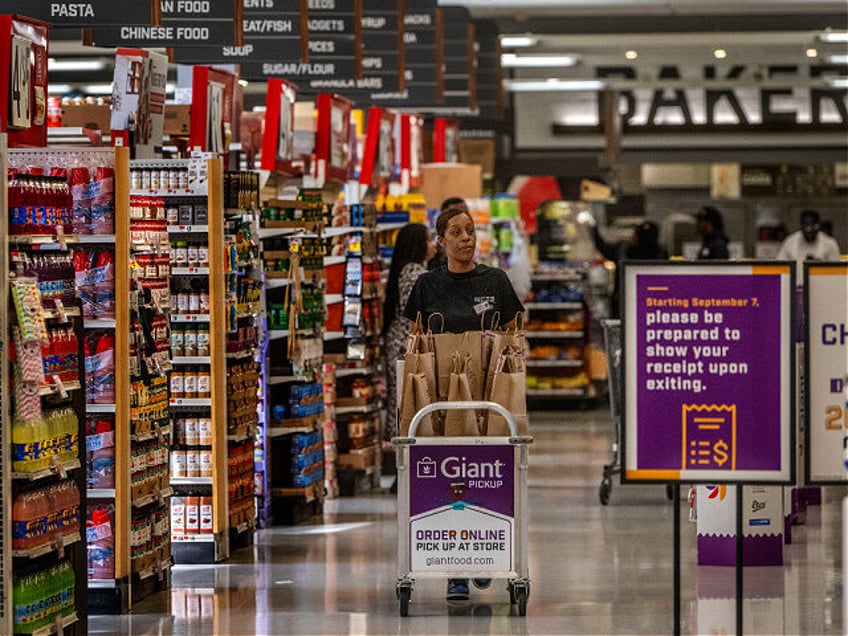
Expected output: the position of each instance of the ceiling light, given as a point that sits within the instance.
(513, 60)
(551, 84)
(838, 82)
(58, 89)
(75, 65)
(97, 89)
(811, 52)
(518, 41)
(838, 59)
(719, 53)
(834, 36)
(631, 54)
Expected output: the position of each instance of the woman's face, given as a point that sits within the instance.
(459, 241)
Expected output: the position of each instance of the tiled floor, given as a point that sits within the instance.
(594, 569)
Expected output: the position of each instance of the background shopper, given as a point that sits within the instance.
(710, 226)
(808, 243)
(463, 292)
(413, 248)
(643, 245)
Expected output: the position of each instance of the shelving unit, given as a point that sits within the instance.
(290, 468)
(191, 193)
(41, 386)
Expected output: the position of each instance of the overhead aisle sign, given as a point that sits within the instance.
(826, 371)
(708, 359)
(183, 23)
(72, 13)
(460, 58)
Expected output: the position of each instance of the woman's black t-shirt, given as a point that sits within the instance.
(464, 299)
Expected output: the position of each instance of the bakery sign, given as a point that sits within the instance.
(740, 99)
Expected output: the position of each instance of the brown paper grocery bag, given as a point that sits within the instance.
(509, 389)
(461, 422)
(415, 396)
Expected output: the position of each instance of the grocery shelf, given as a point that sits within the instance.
(554, 305)
(100, 408)
(554, 334)
(556, 392)
(554, 363)
(191, 481)
(47, 548)
(192, 538)
(100, 493)
(190, 402)
(146, 500)
(72, 464)
(188, 229)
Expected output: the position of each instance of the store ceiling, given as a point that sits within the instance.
(755, 33)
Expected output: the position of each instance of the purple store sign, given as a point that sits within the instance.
(461, 507)
(708, 368)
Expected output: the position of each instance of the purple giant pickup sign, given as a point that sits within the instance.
(708, 366)
(462, 507)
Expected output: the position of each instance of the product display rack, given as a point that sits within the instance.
(6, 617)
(43, 425)
(292, 468)
(556, 335)
(194, 211)
(112, 594)
(358, 373)
(245, 379)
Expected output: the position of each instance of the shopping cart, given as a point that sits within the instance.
(612, 344)
(462, 506)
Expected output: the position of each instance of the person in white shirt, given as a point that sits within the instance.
(809, 243)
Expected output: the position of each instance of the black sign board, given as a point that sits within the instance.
(268, 37)
(382, 43)
(197, 10)
(180, 33)
(490, 97)
(460, 59)
(82, 14)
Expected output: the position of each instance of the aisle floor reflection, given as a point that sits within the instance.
(594, 569)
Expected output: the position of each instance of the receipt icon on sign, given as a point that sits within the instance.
(709, 436)
(426, 468)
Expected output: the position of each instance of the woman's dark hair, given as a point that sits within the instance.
(446, 215)
(452, 202)
(647, 242)
(410, 247)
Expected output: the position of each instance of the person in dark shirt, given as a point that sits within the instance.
(644, 245)
(467, 295)
(710, 226)
(462, 291)
(439, 258)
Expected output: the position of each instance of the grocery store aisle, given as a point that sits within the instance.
(594, 569)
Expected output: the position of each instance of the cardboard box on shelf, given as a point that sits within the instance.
(177, 119)
(442, 180)
(87, 116)
(479, 151)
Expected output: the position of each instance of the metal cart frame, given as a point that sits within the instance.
(511, 563)
(613, 345)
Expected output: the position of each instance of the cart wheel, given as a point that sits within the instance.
(604, 492)
(404, 593)
(669, 492)
(511, 588)
(521, 600)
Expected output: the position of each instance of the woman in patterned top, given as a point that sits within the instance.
(413, 248)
